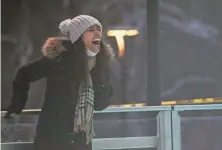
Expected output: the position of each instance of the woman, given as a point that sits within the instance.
(76, 67)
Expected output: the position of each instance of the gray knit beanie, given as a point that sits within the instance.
(74, 28)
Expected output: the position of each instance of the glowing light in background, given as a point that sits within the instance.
(119, 35)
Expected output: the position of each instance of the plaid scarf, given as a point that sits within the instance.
(83, 121)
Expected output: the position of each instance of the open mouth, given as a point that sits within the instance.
(96, 42)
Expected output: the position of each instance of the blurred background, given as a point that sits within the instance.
(190, 46)
(190, 49)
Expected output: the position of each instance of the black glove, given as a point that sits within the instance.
(11, 110)
(8, 115)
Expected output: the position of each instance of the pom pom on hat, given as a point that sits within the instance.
(64, 27)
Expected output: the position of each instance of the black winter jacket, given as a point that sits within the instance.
(56, 118)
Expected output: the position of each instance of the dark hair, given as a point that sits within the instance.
(79, 58)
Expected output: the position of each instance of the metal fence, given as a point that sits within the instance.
(168, 130)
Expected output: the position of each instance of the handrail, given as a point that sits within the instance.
(111, 110)
(136, 109)
(198, 107)
(142, 109)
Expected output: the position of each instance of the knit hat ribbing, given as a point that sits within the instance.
(74, 28)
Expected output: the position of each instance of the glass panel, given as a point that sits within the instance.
(201, 130)
(19, 129)
(22, 128)
(190, 49)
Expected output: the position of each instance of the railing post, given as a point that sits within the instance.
(164, 130)
(176, 130)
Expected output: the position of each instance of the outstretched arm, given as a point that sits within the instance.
(30, 72)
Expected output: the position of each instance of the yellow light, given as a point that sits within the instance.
(196, 101)
(121, 45)
(119, 34)
(122, 32)
(168, 103)
(209, 100)
(140, 104)
(132, 32)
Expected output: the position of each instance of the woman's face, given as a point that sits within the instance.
(92, 38)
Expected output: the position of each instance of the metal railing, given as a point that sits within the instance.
(168, 129)
(176, 120)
